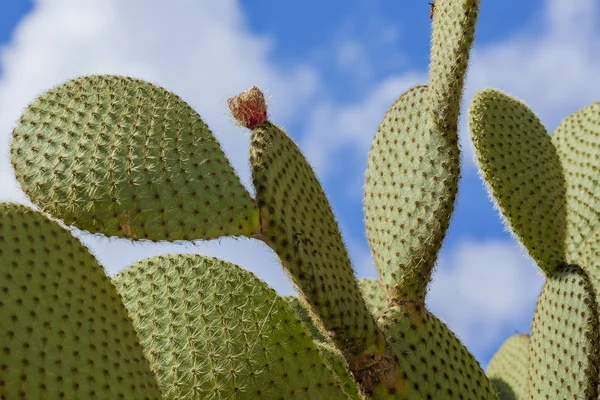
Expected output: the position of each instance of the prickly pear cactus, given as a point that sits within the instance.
(122, 157)
(547, 189)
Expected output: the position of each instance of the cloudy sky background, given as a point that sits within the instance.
(330, 71)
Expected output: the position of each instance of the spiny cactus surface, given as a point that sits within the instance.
(64, 331)
(411, 184)
(126, 158)
(508, 368)
(214, 331)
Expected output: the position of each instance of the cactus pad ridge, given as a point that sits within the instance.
(523, 172)
(577, 142)
(508, 368)
(453, 35)
(411, 184)
(65, 332)
(126, 158)
(565, 339)
(214, 331)
(433, 362)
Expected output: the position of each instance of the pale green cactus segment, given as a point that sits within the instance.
(214, 331)
(452, 38)
(590, 263)
(126, 158)
(565, 339)
(298, 223)
(577, 141)
(524, 173)
(411, 184)
(309, 322)
(433, 362)
(64, 330)
(508, 368)
(374, 295)
(336, 362)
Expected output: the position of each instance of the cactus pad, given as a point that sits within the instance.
(304, 316)
(411, 183)
(453, 35)
(565, 342)
(65, 332)
(214, 331)
(508, 368)
(433, 362)
(126, 158)
(336, 362)
(524, 173)
(577, 141)
(298, 223)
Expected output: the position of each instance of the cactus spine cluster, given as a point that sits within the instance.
(122, 157)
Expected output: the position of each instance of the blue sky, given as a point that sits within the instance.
(330, 69)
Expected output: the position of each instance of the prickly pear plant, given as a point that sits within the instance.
(122, 157)
(547, 189)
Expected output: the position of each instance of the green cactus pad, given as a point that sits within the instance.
(298, 223)
(126, 158)
(411, 183)
(433, 362)
(374, 295)
(65, 333)
(508, 368)
(214, 331)
(577, 141)
(565, 342)
(336, 362)
(304, 316)
(452, 38)
(524, 173)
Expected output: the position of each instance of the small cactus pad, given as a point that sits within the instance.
(304, 316)
(298, 223)
(374, 295)
(433, 362)
(565, 342)
(577, 141)
(64, 331)
(411, 183)
(126, 158)
(508, 368)
(523, 171)
(452, 38)
(214, 331)
(336, 362)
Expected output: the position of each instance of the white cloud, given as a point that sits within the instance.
(483, 289)
(200, 50)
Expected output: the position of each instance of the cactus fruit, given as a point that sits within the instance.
(123, 157)
(547, 188)
(64, 330)
(128, 159)
(508, 368)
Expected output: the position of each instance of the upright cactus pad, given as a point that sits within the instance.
(524, 173)
(126, 158)
(411, 184)
(577, 142)
(374, 295)
(433, 362)
(565, 340)
(64, 331)
(508, 368)
(213, 331)
(307, 320)
(298, 223)
(453, 35)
